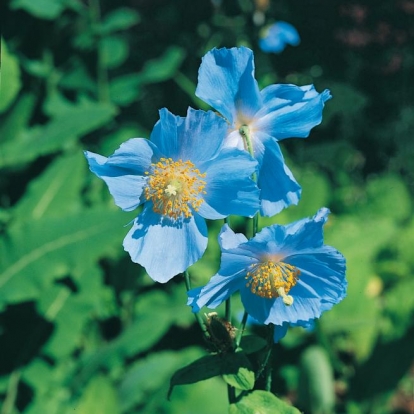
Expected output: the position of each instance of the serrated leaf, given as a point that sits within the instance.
(56, 192)
(261, 402)
(35, 253)
(62, 131)
(10, 83)
(204, 368)
(316, 392)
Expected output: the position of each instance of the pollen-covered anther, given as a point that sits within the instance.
(175, 188)
(272, 280)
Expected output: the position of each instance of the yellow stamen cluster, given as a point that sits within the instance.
(175, 188)
(272, 280)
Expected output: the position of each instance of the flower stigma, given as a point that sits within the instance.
(175, 188)
(272, 280)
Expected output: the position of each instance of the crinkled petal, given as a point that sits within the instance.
(228, 239)
(322, 275)
(230, 188)
(165, 247)
(278, 187)
(123, 172)
(217, 290)
(226, 82)
(295, 119)
(196, 137)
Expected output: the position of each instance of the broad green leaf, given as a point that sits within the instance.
(35, 253)
(17, 118)
(56, 192)
(43, 9)
(261, 402)
(237, 371)
(163, 68)
(150, 374)
(114, 51)
(98, 397)
(10, 83)
(252, 343)
(204, 368)
(70, 311)
(358, 314)
(316, 392)
(125, 89)
(61, 132)
(119, 19)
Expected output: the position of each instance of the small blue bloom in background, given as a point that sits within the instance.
(276, 37)
(226, 82)
(182, 175)
(285, 274)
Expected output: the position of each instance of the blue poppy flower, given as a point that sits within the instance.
(276, 36)
(285, 274)
(182, 175)
(226, 82)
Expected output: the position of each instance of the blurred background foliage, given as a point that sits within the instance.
(84, 329)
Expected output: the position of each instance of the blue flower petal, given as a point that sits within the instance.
(226, 82)
(123, 171)
(277, 36)
(218, 289)
(197, 137)
(279, 188)
(293, 120)
(230, 188)
(279, 332)
(228, 239)
(163, 246)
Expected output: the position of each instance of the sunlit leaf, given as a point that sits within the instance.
(43, 9)
(35, 253)
(10, 83)
(119, 19)
(261, 402)
(59, 133)
(114, 51)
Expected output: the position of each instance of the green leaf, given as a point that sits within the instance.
(17, 118)
(261, 402)
(252, 343)
(114, 51)
(121, 18)
(357, 316)
(204, 368)
(237, 371)
(10, 83)
(163, 68)
(62, 131)
(125, 89)
(56, 192)
(43, 9)
(98, 397)
(35, 253)
(316, 392)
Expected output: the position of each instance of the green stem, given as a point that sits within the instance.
(241, 329)
(9, 401)
(101, 70)
(196, 315)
